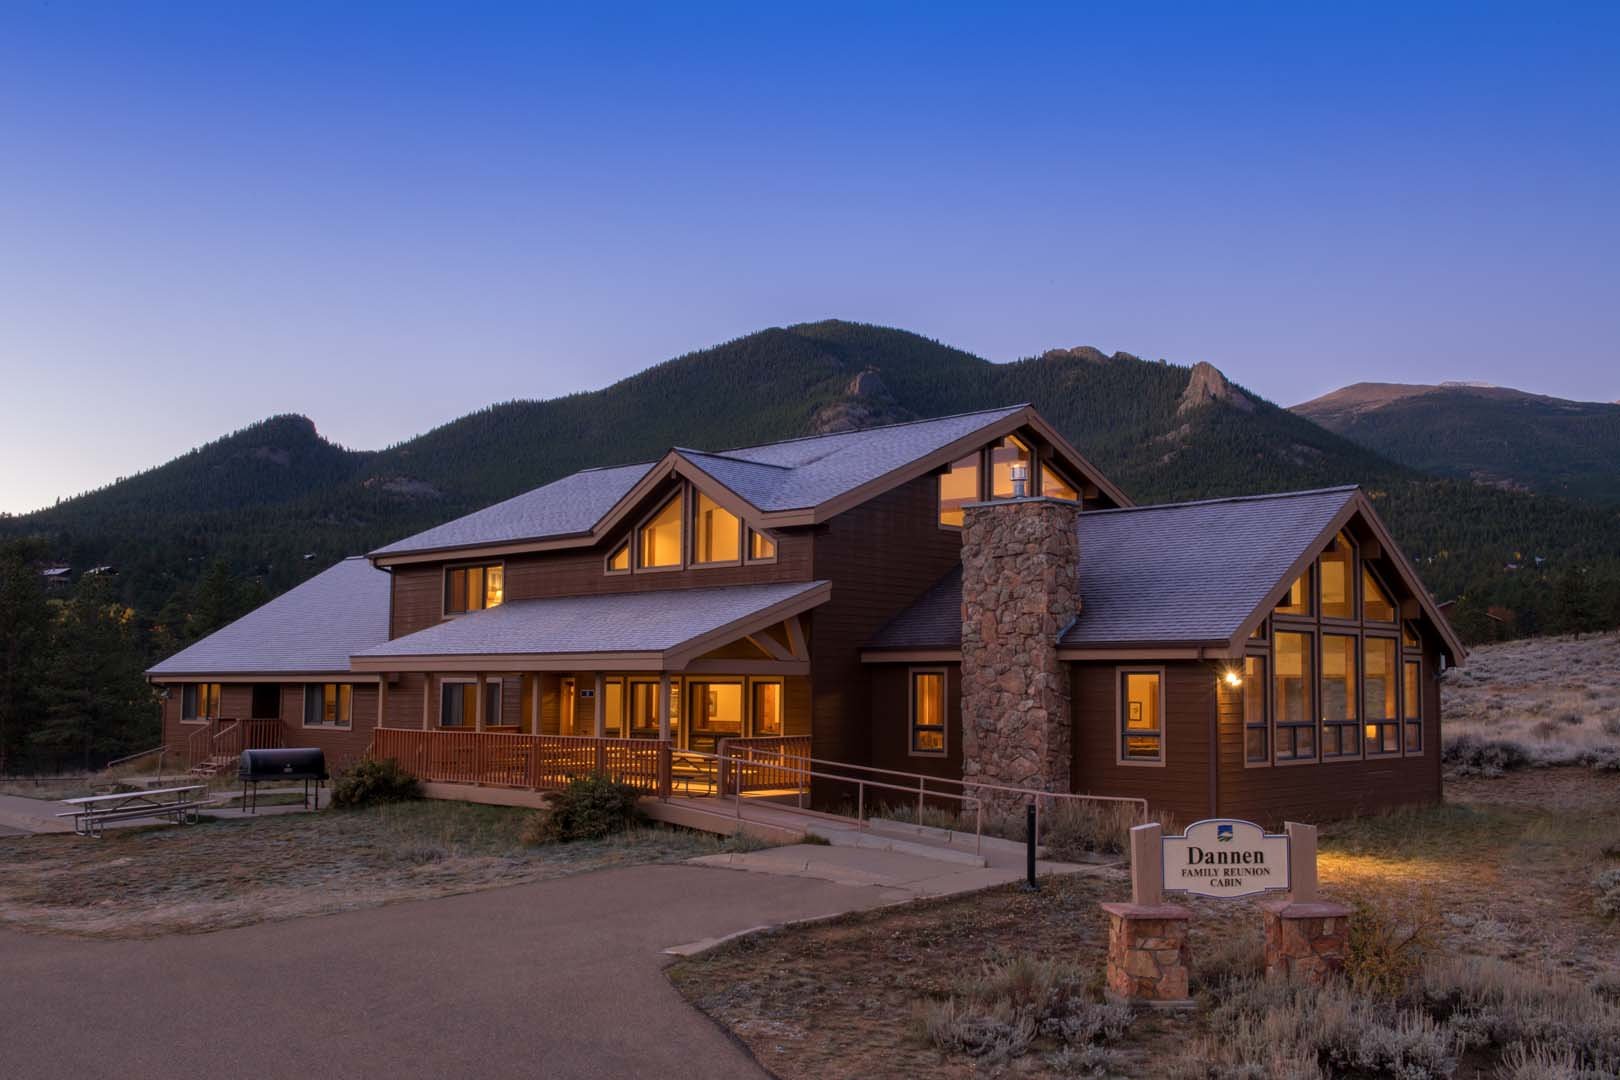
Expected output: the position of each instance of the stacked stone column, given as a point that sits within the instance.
(1149, 960)
(1306, 936)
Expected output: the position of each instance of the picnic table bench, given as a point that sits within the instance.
(91, 812)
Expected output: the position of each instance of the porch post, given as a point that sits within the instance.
(600, 707)
(382, 700)
(663, 705)
(427, 701)
(478, 706)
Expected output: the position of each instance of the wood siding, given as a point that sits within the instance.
(342, 746)
(1180, 786)
(891, 721)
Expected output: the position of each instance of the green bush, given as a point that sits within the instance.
(372, 782)
(589, 808)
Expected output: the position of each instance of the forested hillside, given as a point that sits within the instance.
(275, 503)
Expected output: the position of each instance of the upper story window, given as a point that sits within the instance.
(1054, 486)
(474, 588)
(199, 701)
(958, 486)
(1336, 568)
(716, 532)
(1376, 605)
(618, 562)
(658, 541)
(761, 548)
(1298, 599)
(1003, 456)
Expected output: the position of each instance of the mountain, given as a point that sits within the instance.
(1488, 434)
(276, 502)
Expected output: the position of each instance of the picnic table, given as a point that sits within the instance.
(180, 804)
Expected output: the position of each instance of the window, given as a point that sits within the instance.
(613, 707)
(958, 486)
(199, 702)
(1297, 601)
(928, 712)
(328, 705)
(1412, 707)
(619, 561)
(1383, 729)
(568, 709)
(1293, 681)
(1375, 603)
(456, 704)
(1009, 452)
(1409, 636)
(716, 532)
(473, 588)
(717, 707)
(1054, 486)
(1141, 729)
(761, 548)
(1338, 585)
(658, 542)
(1341, 737)
(767, 708)
(493, 697)
(644, 709)
(1256, 730)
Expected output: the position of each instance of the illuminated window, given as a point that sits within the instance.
(457, 704)
(1375, 603)
(1412, 706)
(1256, 731)
(1336, 568)
(199, 701)
(761, 548)
(1409, 637)
(927, 712)
(717, 708)
(328, 705)
(644, 710)
(1053, 486)
(716, 532)
(613, 707)
(767, 708)
(619, 561)
(1378, 695)
(1341, 737)
(1293, 680)
(1009, 452)
(1141, 729)
(473, 588)
(1297, 601)
(658, 542)
(957, 487)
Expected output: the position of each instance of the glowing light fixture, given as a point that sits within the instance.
(1234, 677)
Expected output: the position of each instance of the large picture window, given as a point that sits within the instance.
(958, 486)
(716, 532)
(1412, 706)
(199, 702)
(328, 705)
(1336, 568)
(1376, 605)
(1009, 452)
(928, 712)
(1378, 697)
(474, 588)
(1341, 734)
(1054, 486)
(1293, 687)
(658, 541)
(767, 707)
(1256, 728)
(1141, 717)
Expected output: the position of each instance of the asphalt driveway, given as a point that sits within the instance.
(557, 979)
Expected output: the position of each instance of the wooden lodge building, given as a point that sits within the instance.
(963, 597)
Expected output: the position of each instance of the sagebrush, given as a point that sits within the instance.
(589, 808)
(370, 783)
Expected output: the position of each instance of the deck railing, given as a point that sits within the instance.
(764, 763)
(223, 739)
(533, 762)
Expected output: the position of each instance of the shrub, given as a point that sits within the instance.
(999, 1014)
(1238, 952)
(1607, 884)
(1611, 725)
(589, 808)
(1470, 755)
(1075, 828)
(370, 782)
(1385, 948)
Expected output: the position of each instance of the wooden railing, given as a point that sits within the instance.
(535, 762)
(769, 763)
(225, 738)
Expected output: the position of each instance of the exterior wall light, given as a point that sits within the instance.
(1233, 677)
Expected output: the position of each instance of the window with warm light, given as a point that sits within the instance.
(328, 705)
(1341, 735)
(716, 532)
(1009, 452)
(613, 707)
(473, 588)
(1293, 688)
(658, 541)
(199, 702)
(1376, 605)
(928, 712)
(1054, 486)
(458, 704)
(1297, 601)
(1412, 706)
(1336, 568)
(958, 486)
(717, 708)
(1141, 727)
(767, 707)
(1379, 696)
(619, 561)
(1256, 729)
(761, 548)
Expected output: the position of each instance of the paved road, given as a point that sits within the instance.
(557, 979)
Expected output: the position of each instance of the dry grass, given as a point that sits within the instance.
(145, 882)
(1558, 698)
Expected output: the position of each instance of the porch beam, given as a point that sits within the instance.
(796, 641)
(663, 705)
(768, 645)
(747, 667)
(427, 702)
(382, 702)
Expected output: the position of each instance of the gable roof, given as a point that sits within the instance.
(311, 629)
(1177, 574)
(646, 630)
(795, 480)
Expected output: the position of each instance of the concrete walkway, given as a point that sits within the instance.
(557, 979)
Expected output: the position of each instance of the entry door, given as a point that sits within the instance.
(266, 701)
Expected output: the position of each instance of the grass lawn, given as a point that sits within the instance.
(221, 873)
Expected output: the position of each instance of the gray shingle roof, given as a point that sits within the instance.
(1175, 573)
(606, 623)
(791, 475)
(311, 629)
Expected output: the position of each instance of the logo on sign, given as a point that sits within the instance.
(1225, 858)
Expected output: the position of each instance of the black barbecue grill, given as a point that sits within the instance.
(302, 763)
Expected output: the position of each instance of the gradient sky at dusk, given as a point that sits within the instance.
(385, 215)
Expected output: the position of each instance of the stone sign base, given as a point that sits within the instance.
(1149, 960)
(1305, 939)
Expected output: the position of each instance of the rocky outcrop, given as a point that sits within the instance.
(1207, 385)
(866, 402)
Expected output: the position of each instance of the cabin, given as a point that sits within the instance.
(964, 598)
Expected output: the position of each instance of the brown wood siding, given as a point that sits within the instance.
(343, 747)
(891, 722)
(405, 701)
(880, 557)
(1179, 787)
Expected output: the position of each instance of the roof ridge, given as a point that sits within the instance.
(726, 456)
(1226, 499)
(875, 427)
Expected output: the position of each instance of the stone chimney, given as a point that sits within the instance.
(1020, 589)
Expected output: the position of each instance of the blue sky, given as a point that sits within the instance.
(385, 215)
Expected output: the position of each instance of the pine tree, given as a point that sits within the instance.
(24, 627)
(97, 703)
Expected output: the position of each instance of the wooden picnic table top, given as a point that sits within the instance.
(133, 794)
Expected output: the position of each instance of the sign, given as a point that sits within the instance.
(1225, 857)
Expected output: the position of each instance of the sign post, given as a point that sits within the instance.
(1148, 956)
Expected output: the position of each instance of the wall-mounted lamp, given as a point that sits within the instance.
(1233, 677)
